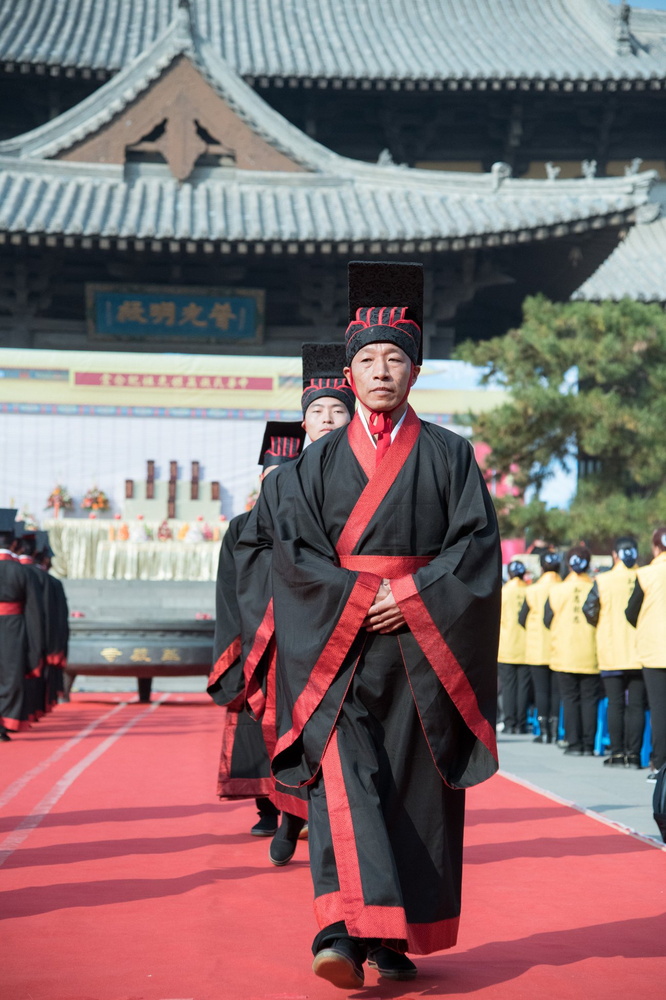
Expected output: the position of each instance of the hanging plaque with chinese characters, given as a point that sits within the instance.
(171, 313)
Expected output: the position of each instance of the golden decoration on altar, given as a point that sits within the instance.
(110, 654)
(140, 655)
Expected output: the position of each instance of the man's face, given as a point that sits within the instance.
(324, 415)
(382, 375)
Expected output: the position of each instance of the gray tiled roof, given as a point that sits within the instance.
(377, 40)
(109, 100)
(59, 198)
(636, 269)
(333, 200)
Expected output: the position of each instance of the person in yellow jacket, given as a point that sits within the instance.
(621, 673)
(537, 647)
(514, 674)
(646, 611)
(574, 653)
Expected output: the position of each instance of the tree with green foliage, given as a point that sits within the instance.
(586, 382)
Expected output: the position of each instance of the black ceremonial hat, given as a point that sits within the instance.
(283, 442)
(8, 519)
(42, 543)
(322, 375)
(385, 305)
(19, 529)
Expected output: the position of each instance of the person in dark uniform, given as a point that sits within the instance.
(244, 769)
(21, 635)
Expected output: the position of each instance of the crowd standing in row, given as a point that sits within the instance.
(34, 628)
(572, 641)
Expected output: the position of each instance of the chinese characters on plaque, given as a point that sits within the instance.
(152, 312)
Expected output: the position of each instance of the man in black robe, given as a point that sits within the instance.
(39, 684)
(386, 599)
(327, 402)
(244, 769)
(21, 635)
(57, 619)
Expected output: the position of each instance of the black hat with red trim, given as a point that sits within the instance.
(283, 442)
(322, 375)
(385, 306)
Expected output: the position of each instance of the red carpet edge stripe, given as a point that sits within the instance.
(17, 786)
(613, 823)
(14, 839)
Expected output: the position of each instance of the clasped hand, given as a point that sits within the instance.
(384, 616)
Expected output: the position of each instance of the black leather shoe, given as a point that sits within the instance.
(283, 844)
(391, 964)
(4, 736)
(615, 760)
(633, 760)
(573, 752)
(340, 964)
(588, 752)
(266, 827)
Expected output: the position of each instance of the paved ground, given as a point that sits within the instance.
(620, 794)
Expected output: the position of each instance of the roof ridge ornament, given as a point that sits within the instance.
(385, 159)
(623, 38)
(499, 172)
(633, 168)
(589, 169)
(552, 171)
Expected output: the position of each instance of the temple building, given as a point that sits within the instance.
(194, 176)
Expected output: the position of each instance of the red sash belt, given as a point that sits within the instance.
(11, 608)
(389, 567)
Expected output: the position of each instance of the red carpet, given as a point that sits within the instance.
(125, 879)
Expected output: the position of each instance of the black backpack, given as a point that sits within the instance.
(659, 801)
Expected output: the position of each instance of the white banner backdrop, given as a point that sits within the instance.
(40, 451)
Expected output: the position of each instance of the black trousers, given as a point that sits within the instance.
(626, 711)
(516, 690)
(546, 691)
(580, 697)
(655, 685)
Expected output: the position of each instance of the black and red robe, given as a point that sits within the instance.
(253, 555)
(21, 643)
(58, 635)
(387, 730)
(244, 769)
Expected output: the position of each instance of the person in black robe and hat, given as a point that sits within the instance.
(57, 620)
(386, 598)
(21, 632)
(244, 768)
(327, 403)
